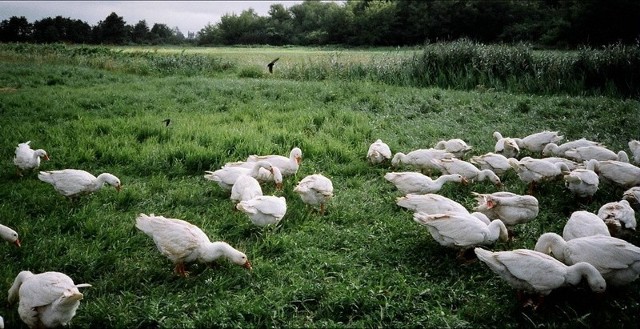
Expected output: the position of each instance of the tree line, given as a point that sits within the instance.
(547, 23)
(112, 30)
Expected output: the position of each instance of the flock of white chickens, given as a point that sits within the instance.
(51, 299)
(586, 248)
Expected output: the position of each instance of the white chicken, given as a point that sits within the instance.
(618, 172)
(315, 190)
(634, 146)
(595, 152)
(616, 214)
(632, 196)
(378, 152)
(467, 170)
(582, 182)
(536, 142)
(73, 183)
(264, 175)
(28, 159)
(532, 170)
(410, 182)
(264, 210)
(227, 175)
(183, 242)
(245, 188)
(456, 146)
(421, 158)
(583, 223)
(535, 272)
(511, 208)
(497, 163)
(46, 300)
(461, 230)
(506, 146)
(559, 150)
(9, 235)
(429, 203)
(287, 165)
(617, 260)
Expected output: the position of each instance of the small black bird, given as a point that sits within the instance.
(270, 65)
(166, 122)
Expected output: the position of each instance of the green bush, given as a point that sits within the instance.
(251, 72)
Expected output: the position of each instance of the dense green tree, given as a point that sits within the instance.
(161, 33)
(316, 22)
(307, 22)
(375, 23)
(61, 29)
(246, 28)
(412, 21)
(600, 22)
(279, 25)
(339, 24)
(140, 32)
(113, 30)
(15, 29)
(209, 35)
(178, 36)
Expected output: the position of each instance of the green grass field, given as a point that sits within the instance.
(366, 263)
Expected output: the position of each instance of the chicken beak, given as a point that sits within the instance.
(46, 157)
(17, 243)
(464, 181)
(247, 265)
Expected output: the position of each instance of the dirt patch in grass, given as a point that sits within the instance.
(7, 90)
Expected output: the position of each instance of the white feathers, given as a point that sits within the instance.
(378, 152)
(26, 158)
(315, 190)
(264, 210)
(417, 183)
(9, 235)
(73, 182)
(47, 299)
(183, 242)
(532, 271)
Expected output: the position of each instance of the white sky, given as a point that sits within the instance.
(188, 16)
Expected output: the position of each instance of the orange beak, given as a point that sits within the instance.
(17, 243)
(46, 157)
(298, 160)
(247, 265)
(464, 181)
(118, 188)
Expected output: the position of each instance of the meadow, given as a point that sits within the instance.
(365, 263)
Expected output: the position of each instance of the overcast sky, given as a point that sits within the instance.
(188, 16)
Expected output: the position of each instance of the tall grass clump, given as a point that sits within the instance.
(611, 71)
(614, 68)
(147, 62)
(466, 65)
(340, 66)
